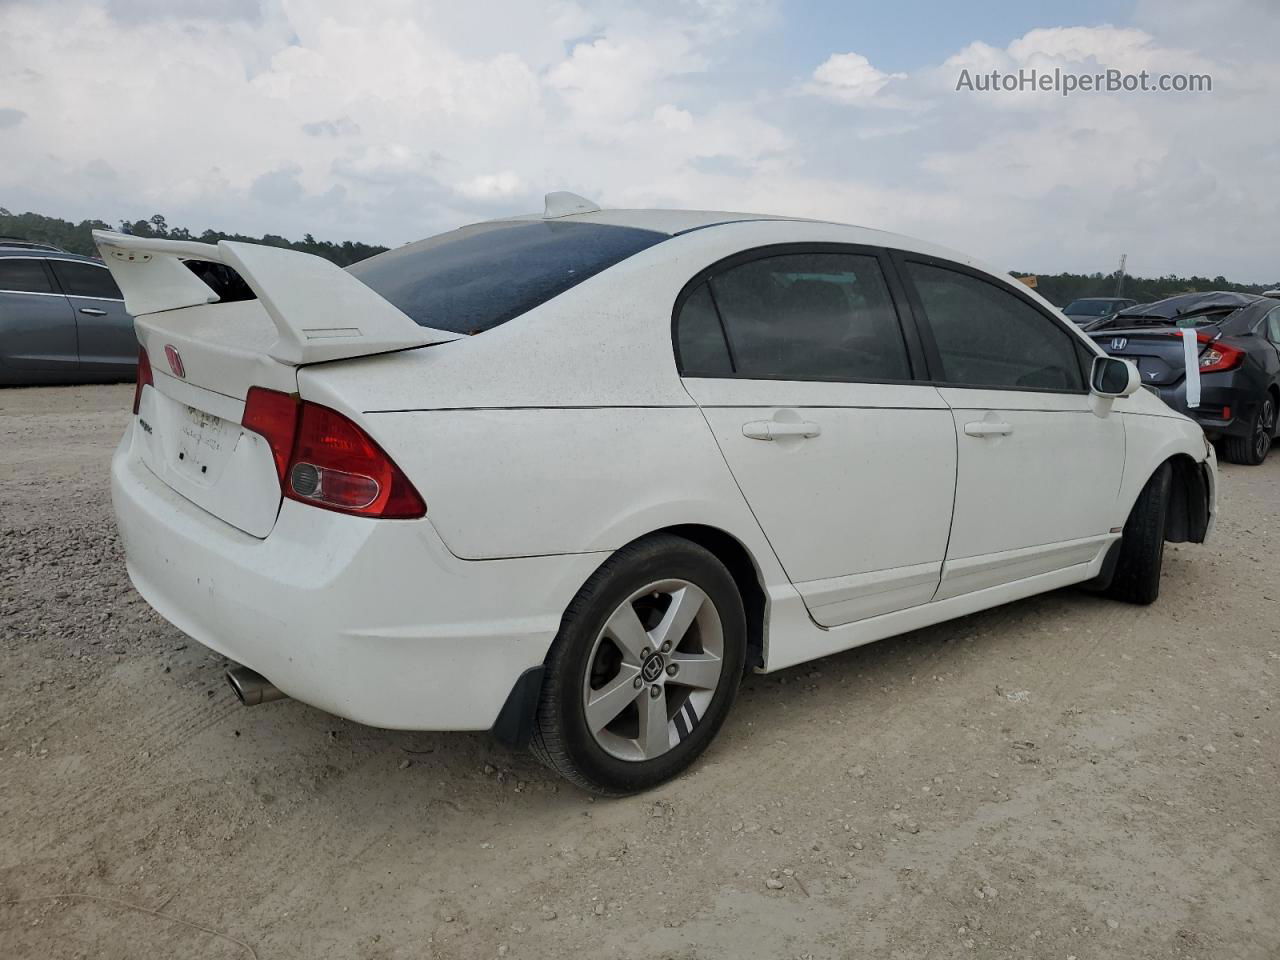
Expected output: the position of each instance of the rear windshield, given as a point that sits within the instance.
(477, 277)
(1094, 308)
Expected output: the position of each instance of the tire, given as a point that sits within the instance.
(599, 661)
(1137, 577)
(1252, 449)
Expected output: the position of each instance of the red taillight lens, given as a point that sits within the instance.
(1218, 356)
(324, 459)
(274, 415)
(144, 378)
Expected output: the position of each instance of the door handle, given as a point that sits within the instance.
(93, 312)
(772, 429)
(985, 428)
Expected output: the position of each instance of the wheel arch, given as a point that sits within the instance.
(1187, 520)
(742, 566)
(515, 722)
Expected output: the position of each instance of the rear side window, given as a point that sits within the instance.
(703, 351)
(21, 275)
(988, 337)
(85, 280)
(810, 316)
(1273, 325)
(475, 278)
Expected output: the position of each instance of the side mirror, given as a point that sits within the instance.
(1113, 377)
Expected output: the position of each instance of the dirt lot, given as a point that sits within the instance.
(1064, 777)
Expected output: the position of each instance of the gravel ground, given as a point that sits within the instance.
(1064, 777)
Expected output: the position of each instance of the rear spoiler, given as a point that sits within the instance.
(320, 311)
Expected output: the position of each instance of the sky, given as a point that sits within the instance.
(390, 120)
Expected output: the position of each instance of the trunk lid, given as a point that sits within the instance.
(1156, 351)
(205, 355)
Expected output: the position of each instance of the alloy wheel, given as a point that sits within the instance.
(653, 670)
(1265, 428)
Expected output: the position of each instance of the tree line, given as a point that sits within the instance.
(1059, 288)
(1062, 288)
(78, 237)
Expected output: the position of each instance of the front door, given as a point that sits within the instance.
(799, 364)
(37, 324)
(1038, 472)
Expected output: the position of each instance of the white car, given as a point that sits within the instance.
(567, 476)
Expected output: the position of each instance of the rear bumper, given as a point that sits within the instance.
(373, 620)
(1217, 394)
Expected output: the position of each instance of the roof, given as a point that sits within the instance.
(677, 222)
(1173, 307)
(18, 243)
(54, 252)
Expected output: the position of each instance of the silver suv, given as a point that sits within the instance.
(62, 318)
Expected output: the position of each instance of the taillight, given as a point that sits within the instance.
(144, 378)
(1218, 356)
(274, 415)
(324, 459)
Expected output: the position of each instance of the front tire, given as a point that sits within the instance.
(1137, 577)
(1251, 450)
(644, 669)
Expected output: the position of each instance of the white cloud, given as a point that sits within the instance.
(489, 186)
(389, 120)
(849, 77)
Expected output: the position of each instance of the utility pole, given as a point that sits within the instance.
(1120, 276)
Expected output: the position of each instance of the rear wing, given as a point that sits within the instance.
(320, 311)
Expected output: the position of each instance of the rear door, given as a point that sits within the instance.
(108, 344)
(37, 324)
(1038, 472)
(801, 365)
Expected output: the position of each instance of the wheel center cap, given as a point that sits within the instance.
(652, 668)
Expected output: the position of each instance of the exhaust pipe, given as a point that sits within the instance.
(253, 688)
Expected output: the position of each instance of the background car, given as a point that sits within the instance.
(1090, 309)
(62, 318)
(1238, 336)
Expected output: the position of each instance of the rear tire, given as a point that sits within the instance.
(1252, 449)
(655, 585)
(1137, 578)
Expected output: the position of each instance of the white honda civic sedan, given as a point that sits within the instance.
(567, 476)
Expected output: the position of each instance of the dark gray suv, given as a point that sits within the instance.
(62, 319)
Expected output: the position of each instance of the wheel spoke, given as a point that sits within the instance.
(610, 700)
(628, 633)
(701, 670)
(685, 604)
(655, 735)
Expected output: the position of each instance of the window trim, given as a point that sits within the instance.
(901, 258)
(79, 296)
(911, 340)
(55, 288)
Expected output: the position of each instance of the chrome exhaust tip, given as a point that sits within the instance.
(252, 688)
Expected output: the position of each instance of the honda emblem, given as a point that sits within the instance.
(175, 361)
(1118, 343)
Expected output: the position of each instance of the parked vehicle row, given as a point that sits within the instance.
(1092, 309)
(1213, 356)
(566, 477)
(62, 318)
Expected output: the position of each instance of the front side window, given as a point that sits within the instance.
(473, 279)
(810, 316)
(23, 275)
(988, 337)
(85, 280)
